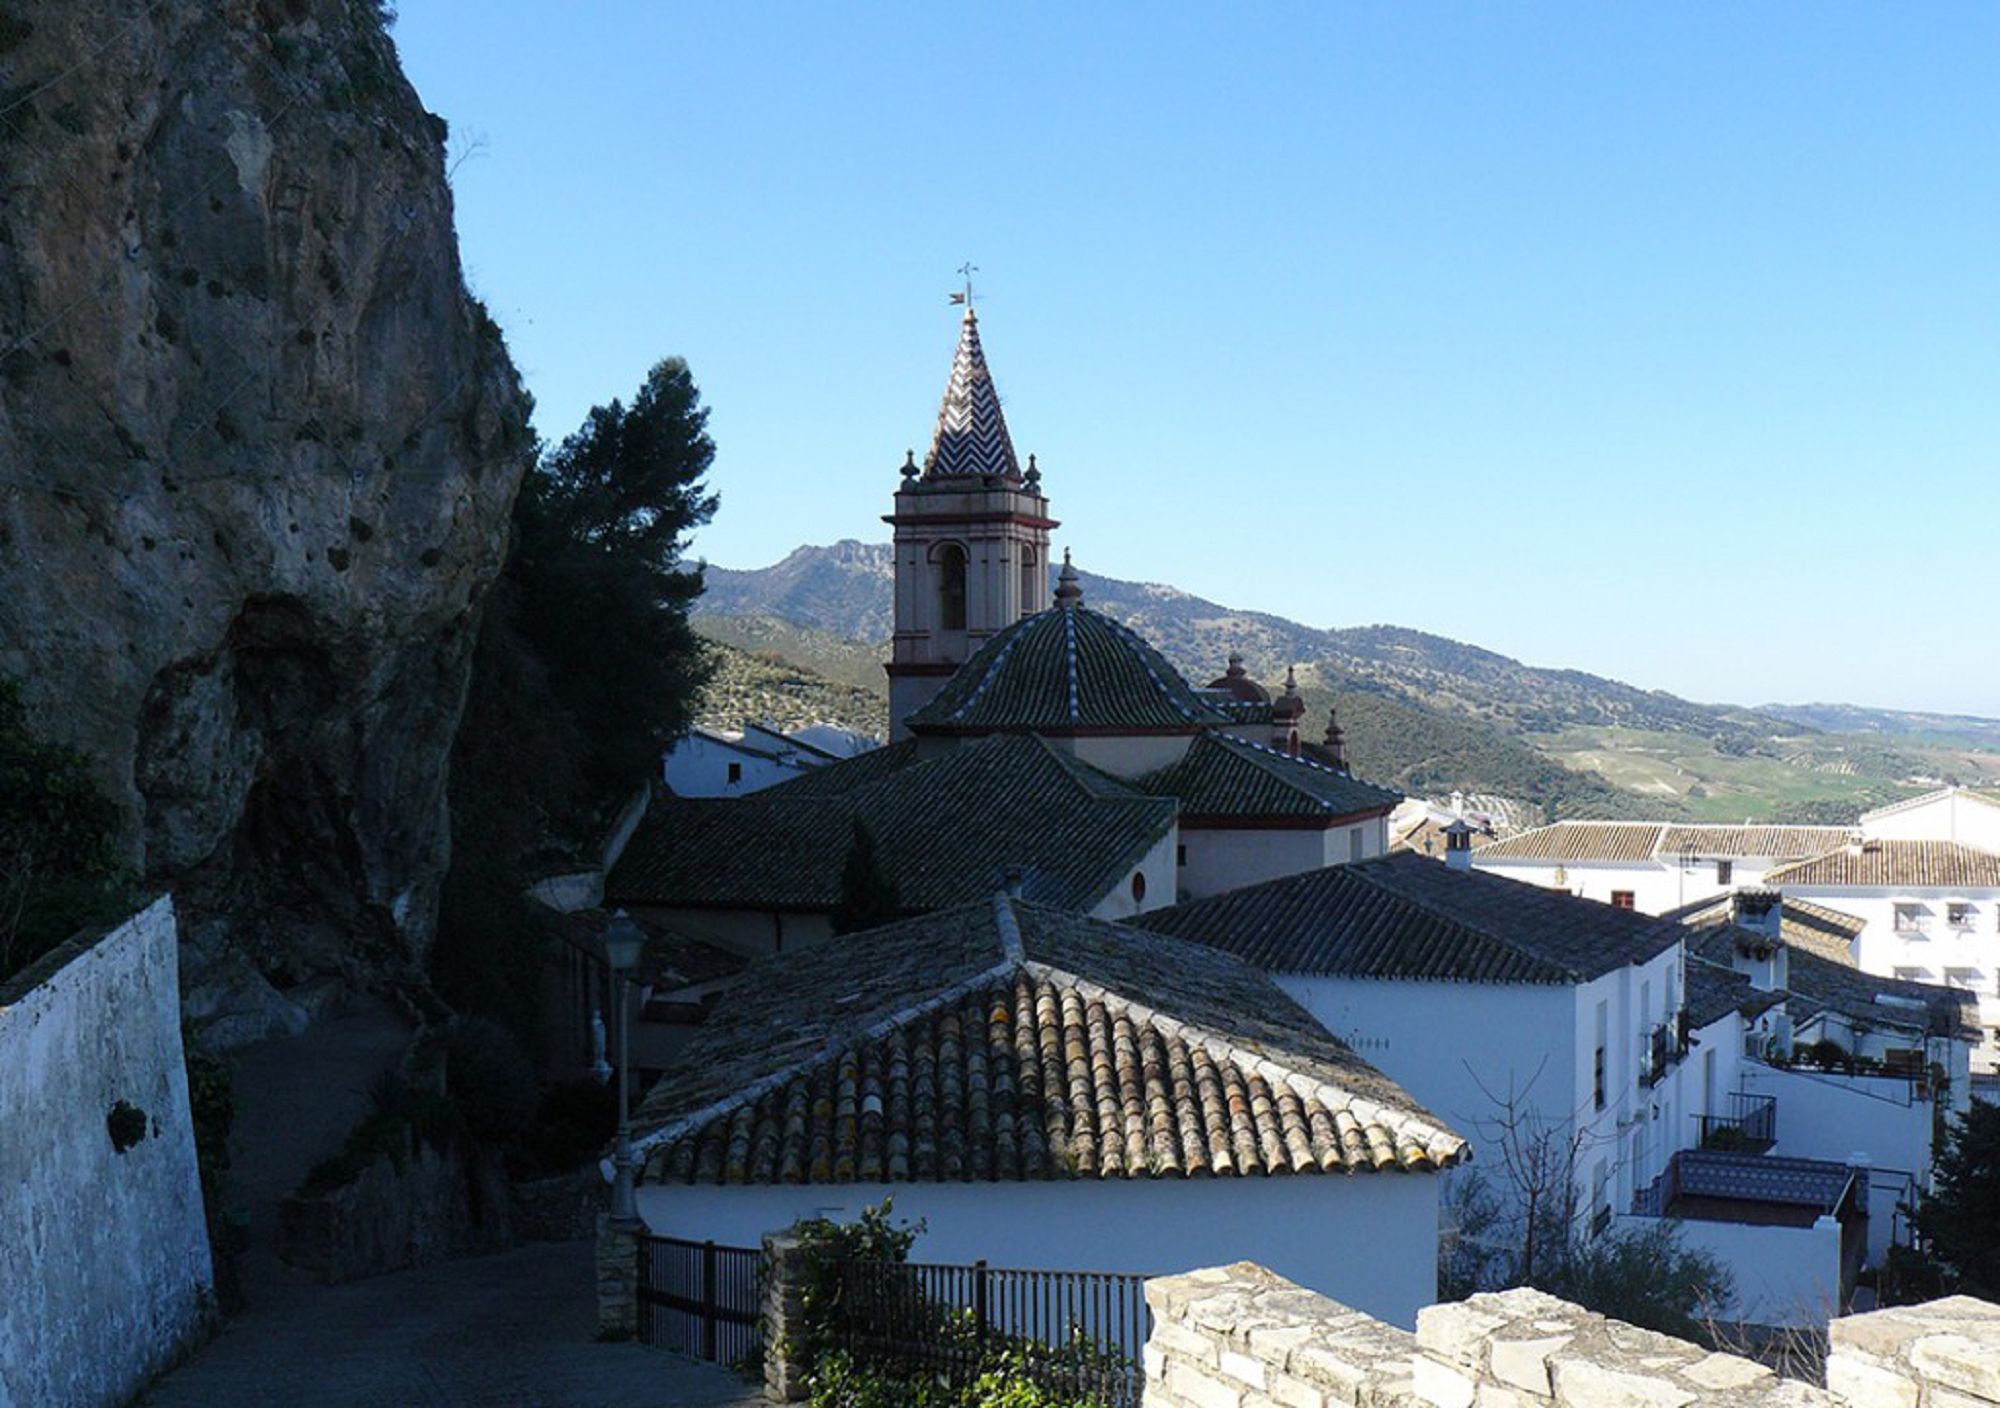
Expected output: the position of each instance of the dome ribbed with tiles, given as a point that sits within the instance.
(1066, 670)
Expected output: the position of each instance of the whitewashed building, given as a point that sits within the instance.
(1045, 1090)
(1651, 866)
(718, 763)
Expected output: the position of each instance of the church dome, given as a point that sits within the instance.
(1236, 682)
(1067, 670)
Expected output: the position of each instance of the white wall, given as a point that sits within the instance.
(1655, 888)
(1368, 1240)
(1157, 867)
(698, 766)
(1872, 1120)
(1945, 816)
(103, 1255)
(1635, 1134)
(1229, 859)
(1784, 1275)
(751, 932)
(1127, 755)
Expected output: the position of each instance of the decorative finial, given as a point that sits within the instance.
(1235, 670)
(1034, 475)
(910, 470)
(1068, 591)
(1336, 740)
(1291, 682)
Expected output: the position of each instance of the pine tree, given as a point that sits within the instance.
(868, 896)
(1961, 1218)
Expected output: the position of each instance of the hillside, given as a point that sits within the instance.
(1427, 713)
(762, 688)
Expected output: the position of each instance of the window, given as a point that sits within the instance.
(1624, 899)
(1914, 975)
(1138, 886)
(1354, 843)
(1031, 589)
(951, 587)
(1970, 979)
(1910, 920)
(1180, 855)
(735, 772)
(1723, 870)
(1597, 1069)
(1960, 915)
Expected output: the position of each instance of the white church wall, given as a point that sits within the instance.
(1128, 756)
(1305, 1227)
(701, 765)
(1154, 889)
(1230, 858)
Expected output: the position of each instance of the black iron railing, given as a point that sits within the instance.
(1076, 1333)
(1750, 1127)
(701, 1299)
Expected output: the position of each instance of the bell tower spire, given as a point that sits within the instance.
(971, 533)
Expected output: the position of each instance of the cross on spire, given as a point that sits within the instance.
(966, 271)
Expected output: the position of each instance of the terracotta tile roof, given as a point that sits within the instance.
(1581, 841)
(1066, 670)
(1003, 1041)
(1917, 865)
(945, 828)
(1778, 842)
(1714, 990)
(1426, 838)
(1826, 932)
(1402, 916)
(1225, 777)
(1816, 983)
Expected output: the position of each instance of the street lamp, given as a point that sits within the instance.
(622, 942)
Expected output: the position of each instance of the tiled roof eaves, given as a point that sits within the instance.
(1895, 864)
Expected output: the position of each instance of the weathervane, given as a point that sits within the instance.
(963, 299)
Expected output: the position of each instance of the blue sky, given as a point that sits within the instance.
(1661, 341)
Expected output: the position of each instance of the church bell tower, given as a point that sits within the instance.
(971, 537)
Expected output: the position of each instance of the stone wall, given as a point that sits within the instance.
(103, 1251)
(1242, 1337)
(434, 1206)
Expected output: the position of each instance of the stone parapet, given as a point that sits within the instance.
(1242, 1337)
(1943, 1354)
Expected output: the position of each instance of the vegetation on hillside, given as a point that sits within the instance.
(586, 668)
(766, 687)
(60, 866)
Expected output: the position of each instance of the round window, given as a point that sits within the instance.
(1138, 885)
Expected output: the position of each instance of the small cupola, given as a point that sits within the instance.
(1335, 741)
(1237, 684)
(1286, 713)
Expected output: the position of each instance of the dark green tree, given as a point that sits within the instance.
(60, 866)
(1960, 1220)
(586, 669)
(868, 897)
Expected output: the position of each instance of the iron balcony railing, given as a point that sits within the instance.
(1750, 1127)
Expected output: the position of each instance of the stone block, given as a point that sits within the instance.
(1960, 1362)
(1584, 1385)
(1457, 1332)
(1524, 1364)
(1198, 1388)
(1440, 1385)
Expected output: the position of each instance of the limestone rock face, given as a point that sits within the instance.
(257, 452)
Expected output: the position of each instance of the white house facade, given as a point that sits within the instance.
(714, 763)
(1049, 1091)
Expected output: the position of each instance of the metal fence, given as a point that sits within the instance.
(701, 1299)
(1074, 1332)
(1750, 1126)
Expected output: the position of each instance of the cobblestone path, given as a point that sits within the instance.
(511, 1330)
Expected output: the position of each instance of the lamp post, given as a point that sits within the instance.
(622, 942)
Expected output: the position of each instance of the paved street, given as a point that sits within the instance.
(506, 1331)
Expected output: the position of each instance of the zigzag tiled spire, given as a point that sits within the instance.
(972, 437)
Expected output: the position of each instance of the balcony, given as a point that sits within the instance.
(1664, 1048)
(1750, 1127)
(1713, 1186)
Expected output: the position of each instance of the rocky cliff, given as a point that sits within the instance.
(257, 451)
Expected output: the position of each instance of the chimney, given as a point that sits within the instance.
(1457, 802)
(1458, 845)
(1014, 879)
(1759, 917)
(1856, 843)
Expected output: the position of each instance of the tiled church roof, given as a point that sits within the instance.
(944, 829)
(972, 439)
(1004, 1041)
(1225, 777)
(1066, 670)
(1401, 916)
